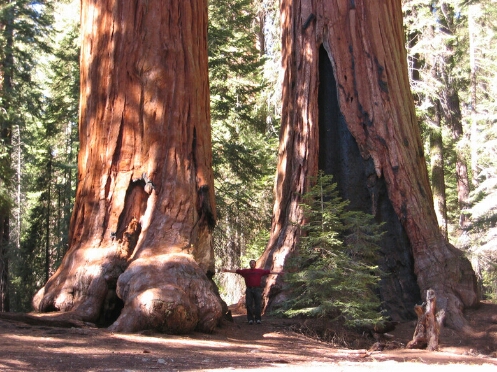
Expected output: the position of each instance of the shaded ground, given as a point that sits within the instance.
(277, 344)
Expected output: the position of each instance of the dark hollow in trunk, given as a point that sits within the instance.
(366, 46)
(357, 182)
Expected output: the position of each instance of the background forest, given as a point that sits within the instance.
(452, 54)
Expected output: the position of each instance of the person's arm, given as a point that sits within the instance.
(228, 271)
(276, 272)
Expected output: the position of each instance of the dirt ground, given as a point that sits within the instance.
(277, 344)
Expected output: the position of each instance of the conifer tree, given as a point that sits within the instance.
(453, 59)
(51, 166)
(243, 145)
(49, 178)
(436, 51)
(24, 26)
(334, 268)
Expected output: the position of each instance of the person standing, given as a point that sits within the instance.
(253, 292)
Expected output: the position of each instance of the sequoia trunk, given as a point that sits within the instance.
(141, 228)
(347, 109)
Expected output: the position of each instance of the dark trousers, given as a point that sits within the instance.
(253, 299)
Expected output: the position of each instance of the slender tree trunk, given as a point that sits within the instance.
(19, 195)
(261, 40)
(453, 117)
(144, 212)
(4, 262)
(472, 11)
(364, 43)
(451, 106)
(6, 127)
(437, 172)
(5, 210)
(47, 216)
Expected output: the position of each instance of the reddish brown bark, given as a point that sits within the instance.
(365, 43)
(144, 202)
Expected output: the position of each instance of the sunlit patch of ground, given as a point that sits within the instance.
(237, 346)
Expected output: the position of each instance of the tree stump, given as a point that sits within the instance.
(429, 323)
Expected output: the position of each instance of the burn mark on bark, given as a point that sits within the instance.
(403, 212)
(308, 21)
(421, 152)
(118, 149)
(381, 83)
(382, 141)
(135, 205)
(367, 121)
(358, 182)
(204, 208)
(194, 148)
(148, 185)
(421, 190)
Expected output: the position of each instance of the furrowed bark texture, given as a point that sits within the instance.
(347, 108)
(145, 202)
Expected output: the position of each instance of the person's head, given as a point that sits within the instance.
(252, 264)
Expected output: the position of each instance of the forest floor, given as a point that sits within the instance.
(276, 345)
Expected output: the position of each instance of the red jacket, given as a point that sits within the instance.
(253, 276)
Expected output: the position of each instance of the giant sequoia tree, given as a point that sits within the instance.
(348, 110)
(140, 247)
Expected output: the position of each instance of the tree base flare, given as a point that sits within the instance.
(168, 293)
(429, 323)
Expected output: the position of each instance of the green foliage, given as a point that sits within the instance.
(243, 147)
(490, 282)
(481, 237)
(48, 174)
(23, 32)
(255, 247)
(452, 48)
(5, 170)
(482, 240)
(234, 64)
(24, 39)
(28, 269)
(334, 272)
(436, 50)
